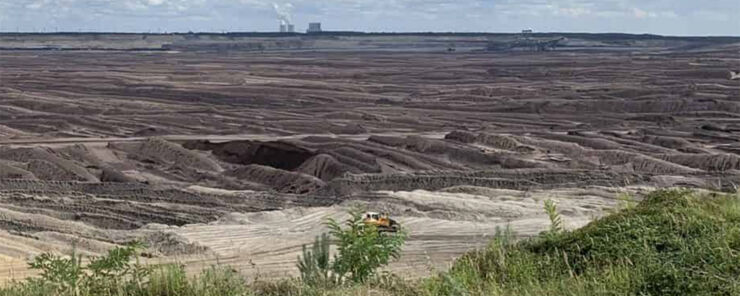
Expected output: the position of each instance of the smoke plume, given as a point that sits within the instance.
(283, 13)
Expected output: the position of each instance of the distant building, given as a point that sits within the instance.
(528, 31)
(314, 28)
(287, 28)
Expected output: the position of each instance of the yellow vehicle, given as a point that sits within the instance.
(381, 221)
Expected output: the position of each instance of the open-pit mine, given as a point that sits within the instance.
(234, 149)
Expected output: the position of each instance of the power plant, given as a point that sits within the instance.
(287, 28)
(314, 28)
(283, 15)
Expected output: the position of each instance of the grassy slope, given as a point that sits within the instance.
(672, 243)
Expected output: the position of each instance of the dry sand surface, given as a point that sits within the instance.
(442, 225)
(229, 155)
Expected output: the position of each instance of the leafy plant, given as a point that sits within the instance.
(556, 223)
(361, 248)
(315, 264)
(59, 273)
(67, 275)
(116, 268)
(627, 201)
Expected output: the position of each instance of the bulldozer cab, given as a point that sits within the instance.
(372, 216)
(381, 221)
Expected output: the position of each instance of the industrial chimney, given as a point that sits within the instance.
(283, 15)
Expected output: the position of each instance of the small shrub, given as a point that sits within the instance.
(119, 273)
(219, 281)
(63, 275)
(556, 223)
(171, 280)
(116, 269)
(168, 280)
(101, 276)
(361, 249)
(315, 264)
(626, 201)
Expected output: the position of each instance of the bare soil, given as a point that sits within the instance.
(237, 156)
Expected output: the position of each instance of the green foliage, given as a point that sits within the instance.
(672, 243)
(60, 274)
(101, 276)
(556, 223)
(361, 248)
(119, 273)
(116, 269)
(215, 281)
(626, 201)
(315, 265)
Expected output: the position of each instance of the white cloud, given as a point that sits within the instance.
(641, 14)
(574, 11)
(155, 2)
(35, 5)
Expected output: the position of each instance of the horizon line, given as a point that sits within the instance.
(350, 32)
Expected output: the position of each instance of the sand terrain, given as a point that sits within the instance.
(235, 156)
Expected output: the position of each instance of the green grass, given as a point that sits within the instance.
(671, 243)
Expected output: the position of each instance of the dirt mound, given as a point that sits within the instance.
(429, 154)
(352, 115)
(627, 161)
(46, 164)
(668, 142)
(462, 136)
(280, 180)
(518, 179)
(347, 129)
(503, 142)
(9, 132)
(712, 163)
(45, 170)
(358, 161)
(81, 154)
(109, 174)
(388, 140)
(151, 132)
(589, 142)
(11, 172)
(552, 146)
(166, 242)
(161, 151)
(663, 105)
(324, 167)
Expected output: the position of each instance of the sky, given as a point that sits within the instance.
(665, 17)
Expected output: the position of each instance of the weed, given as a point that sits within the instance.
(314, 264)
(556, 223)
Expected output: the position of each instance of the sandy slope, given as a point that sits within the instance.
(442, 225)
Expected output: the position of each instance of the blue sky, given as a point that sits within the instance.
(668, 17)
